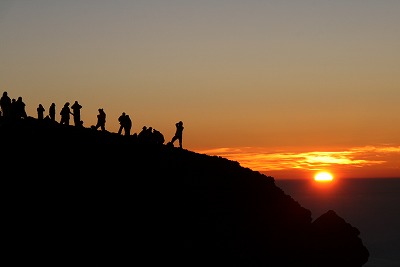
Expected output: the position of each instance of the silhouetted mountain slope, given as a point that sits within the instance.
(81, 196)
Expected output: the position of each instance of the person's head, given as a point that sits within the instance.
(66, 104)
(123, 113)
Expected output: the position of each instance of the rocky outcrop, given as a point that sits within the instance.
(81, 196)
(336, 243)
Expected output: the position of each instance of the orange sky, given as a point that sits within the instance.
(284, 87)
(355, 162)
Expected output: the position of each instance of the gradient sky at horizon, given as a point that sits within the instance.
(266, 83)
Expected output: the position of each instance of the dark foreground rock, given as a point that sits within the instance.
(79, 196)
(332, 233)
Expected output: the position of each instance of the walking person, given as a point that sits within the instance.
(121, 120)
(101, 120)
(65, 114)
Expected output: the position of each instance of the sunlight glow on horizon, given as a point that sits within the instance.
(323, 177)
(355, 158)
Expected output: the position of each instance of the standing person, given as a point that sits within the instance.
(125, 124)
(20, 109)
(101, 120)
(76, 107)
(121, 120)
(52, 112)
(5, 104)
(40, 111)
(178, 133)
(128, 125)
(65, 114)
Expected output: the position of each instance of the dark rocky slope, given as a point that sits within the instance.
(80, 196)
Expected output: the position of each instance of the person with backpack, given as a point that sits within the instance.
(65, 114)
(101, 120)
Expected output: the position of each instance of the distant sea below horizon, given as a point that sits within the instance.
(372, 205)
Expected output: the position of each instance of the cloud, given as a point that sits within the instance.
(261, 159)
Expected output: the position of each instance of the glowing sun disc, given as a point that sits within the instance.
(323, 177)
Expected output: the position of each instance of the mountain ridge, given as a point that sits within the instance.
(76, 194)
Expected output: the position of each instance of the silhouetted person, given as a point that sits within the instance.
(40, 112)
(76, 107)
(101, 120)
(5, 104)
(65, 114)
(52, 112)
(127, 125)
(142, 136)
(178, 133)
(121, 122)
(158, 137)
(20, 109)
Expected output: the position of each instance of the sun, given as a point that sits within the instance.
(323, 177)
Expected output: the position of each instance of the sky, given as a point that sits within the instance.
(286, 88)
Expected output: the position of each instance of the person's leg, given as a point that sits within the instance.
(77, 120)
(174, 139)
